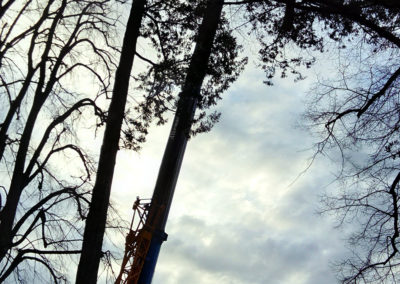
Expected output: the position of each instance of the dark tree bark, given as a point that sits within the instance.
(96, 220)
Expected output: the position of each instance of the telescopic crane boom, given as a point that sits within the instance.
(143, 244)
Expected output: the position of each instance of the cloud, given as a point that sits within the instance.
(242, 253)
(237, 216)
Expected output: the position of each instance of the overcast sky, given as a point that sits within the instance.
(237, 215)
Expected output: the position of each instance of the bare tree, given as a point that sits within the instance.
(45, 50)
(356, 112)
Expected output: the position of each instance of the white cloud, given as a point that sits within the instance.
(236, 216)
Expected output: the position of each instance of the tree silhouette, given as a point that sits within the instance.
(42, 47)
(354, 112)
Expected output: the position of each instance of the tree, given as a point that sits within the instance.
(42, 47)
(357, 112)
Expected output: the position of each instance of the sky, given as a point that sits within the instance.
(242, 210)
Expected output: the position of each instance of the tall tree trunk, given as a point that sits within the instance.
(96, 220)
(173, 155)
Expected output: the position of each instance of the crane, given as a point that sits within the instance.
(146, 234)
(137, 243)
